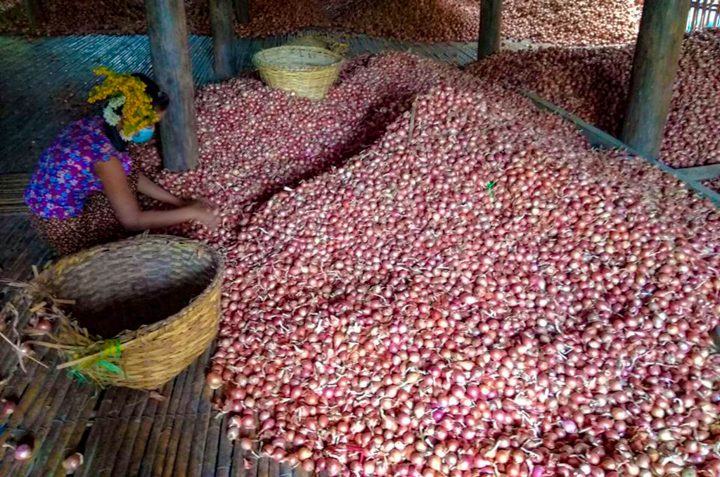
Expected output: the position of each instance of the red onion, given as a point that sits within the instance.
(214, 380)
(72, 462)
(23, 452)
(477, 291)
(593, 84)
(8, 408)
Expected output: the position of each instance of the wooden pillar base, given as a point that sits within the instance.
(242, 11)
(221, 20)
(170, 53)
(490, 25)
(654, 68)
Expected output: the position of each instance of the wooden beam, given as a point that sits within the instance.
(170, 54)
(221, 20)
(490, 25)
(657, 54)
(34, 12)
(701, 173)
(242, 11)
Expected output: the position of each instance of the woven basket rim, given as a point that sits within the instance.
(260, 62)
(129, 335)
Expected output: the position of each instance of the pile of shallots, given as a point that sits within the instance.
(545, 21)
(476, 293)
(578, 22)
(594, 83)
(255, 141)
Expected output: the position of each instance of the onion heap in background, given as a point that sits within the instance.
(587, 22)
(476, 292)
(594, 83)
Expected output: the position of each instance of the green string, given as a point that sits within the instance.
(490, 186)
(78, 376)
(113, 368)
(112, 350)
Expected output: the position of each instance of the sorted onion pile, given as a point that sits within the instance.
(476, 292)
(594, 83)
(577, 22)
(254, 141)
(546, 21)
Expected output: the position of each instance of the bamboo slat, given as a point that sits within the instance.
(199, 436)
(154, 413)
(43, 424)
(134, 405)
(155, 441)
(169, 439)
(225, 450)
(190, 419)
(102, 431)
(210, 462)
(132, 427)
(68, 427)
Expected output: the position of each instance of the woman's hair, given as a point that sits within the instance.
(160, 100)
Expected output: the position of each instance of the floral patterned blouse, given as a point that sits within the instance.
(65, 176)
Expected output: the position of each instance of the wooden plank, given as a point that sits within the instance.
(191, 419)
(43, 424)
(199, 443)
(210, 464)
(122, 454)
(157, 442)
(70, 423)
(33, 396)
(101, 433)
(154, 414)
(242, 11)
(170, 436)
(655, 65)
(221, 22)
(225, 453)
(121, 438)
(264, 468)
(273, 468)
(170, 54)
(701, 173)
(490, 23)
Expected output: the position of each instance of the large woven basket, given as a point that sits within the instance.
(154, 299)
(307, 71)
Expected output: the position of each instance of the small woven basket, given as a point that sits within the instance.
(320, 41)
(307, 71)
(164, 289)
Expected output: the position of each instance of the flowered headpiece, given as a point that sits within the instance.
(129, 92)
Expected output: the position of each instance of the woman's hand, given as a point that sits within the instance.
(149, 188)
(128, 212)
(205, 214)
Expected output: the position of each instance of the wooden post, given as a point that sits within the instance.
(242, 11)
(490, 24)
(656, 62)
(170, 54)
(34, 12)
(221, 20)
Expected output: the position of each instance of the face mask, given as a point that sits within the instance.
(144, 135)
